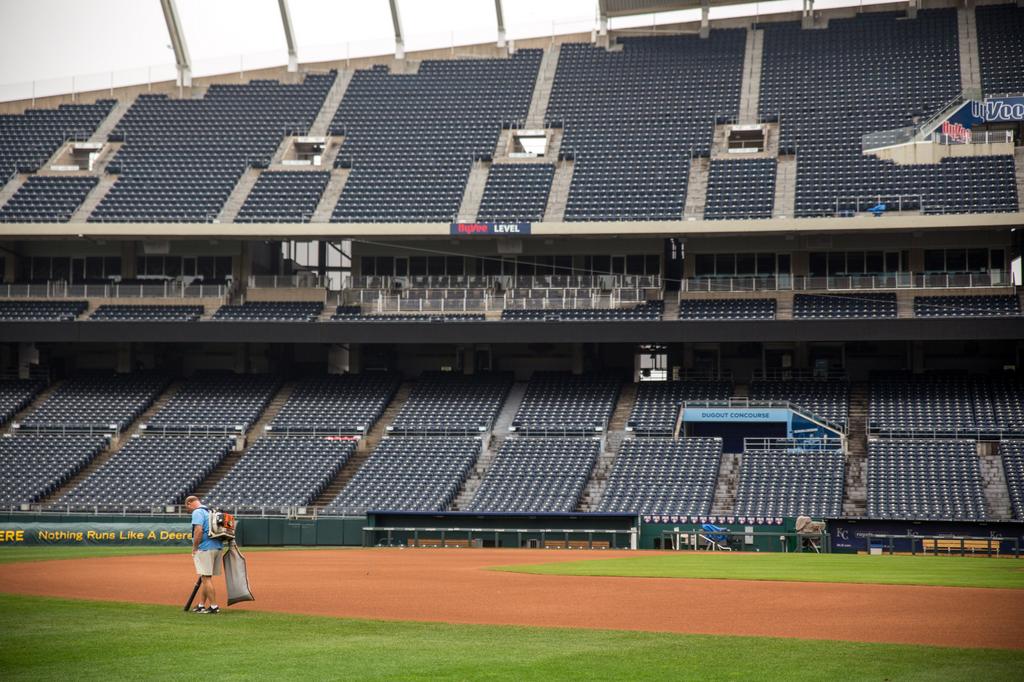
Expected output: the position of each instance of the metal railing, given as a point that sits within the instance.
(164, 289)
(121, 510)
(304, 280)
(893, 280)
(795, 445)
(979, 137)
(944, 433)
(504, 282)
(798, 375)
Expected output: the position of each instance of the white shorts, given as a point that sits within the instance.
(207, 561)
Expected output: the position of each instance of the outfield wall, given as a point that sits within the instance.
(49, 529)
(848, 534)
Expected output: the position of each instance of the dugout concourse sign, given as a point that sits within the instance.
(13, 533)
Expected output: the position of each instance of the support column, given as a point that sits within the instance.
(128, 258)
(705, 18)
(124, 358)
(577, 358)
(807, 16)
(468, 354)
(10, 267)
(917, 356)
(337, 359)
(355, 358)
(28, 355)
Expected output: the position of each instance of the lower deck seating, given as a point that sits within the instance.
(727, 309)
(664, 476)
(650, 311)
(216, 402)
(966, 306)
(448, 403)
(149, 472)
(355, 314)
(924, 479)
(828, 399)
(336, 404)
(15, 395)
(560, 403)
(271, 311)
(658, 402)
(96, 402)
(147, 313)
(1012, 452)
(51, 199)
(279, 472)
(833, 306)
(284, 197)
(537, 475)
(409, 474)
(781, 484)
(33, 466)
(41, 311)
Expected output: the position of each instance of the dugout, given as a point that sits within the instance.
(517, 530)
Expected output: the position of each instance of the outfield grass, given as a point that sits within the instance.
(832, 568)
(11, 554)
(46, 639)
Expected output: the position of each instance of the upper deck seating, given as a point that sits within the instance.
(411, 140)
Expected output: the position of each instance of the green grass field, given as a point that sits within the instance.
(46, 639)
(842, 568)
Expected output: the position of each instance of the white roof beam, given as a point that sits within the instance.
(396, 21)
(178, 44)
(289, 36)
(500, 16)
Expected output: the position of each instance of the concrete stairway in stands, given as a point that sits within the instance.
(542, 88)
(474, 193)
(750, 89)
(93, 199)
(993, 478)
(554, 212)
(785, 187)
(855, 490)
(113, 118)
(724, 503)
(967, 38)
(499, 432)
(366, 446)
(255, 432)
(239, 194)
(613, 439)
(323, 119)
(329, 199)
(697, 189)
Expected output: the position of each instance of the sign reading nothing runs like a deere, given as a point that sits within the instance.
(94, 533)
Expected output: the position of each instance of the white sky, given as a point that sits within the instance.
(100, 43)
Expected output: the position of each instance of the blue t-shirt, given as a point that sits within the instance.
(201, 517)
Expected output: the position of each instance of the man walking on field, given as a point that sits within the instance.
(206, 555)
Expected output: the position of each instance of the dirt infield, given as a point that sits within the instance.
(451, 586)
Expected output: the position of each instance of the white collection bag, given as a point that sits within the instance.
(236, 577)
